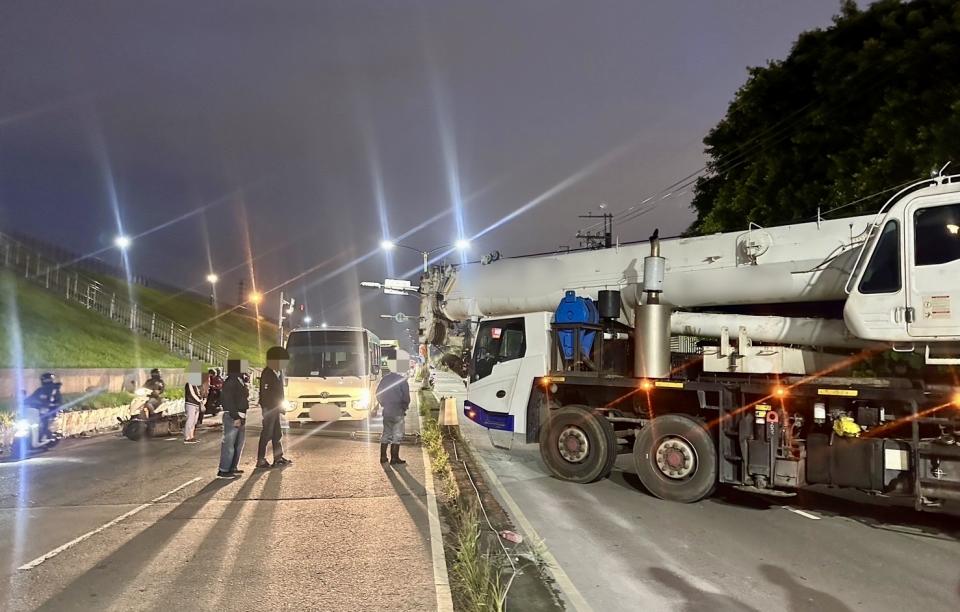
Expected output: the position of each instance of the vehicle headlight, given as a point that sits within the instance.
(288, 405)
(21, 428)
(364, 400)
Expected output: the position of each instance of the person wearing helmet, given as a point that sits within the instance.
(48, 400)
(271, 405)
(157, 386)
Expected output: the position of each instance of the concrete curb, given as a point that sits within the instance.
(563, 582)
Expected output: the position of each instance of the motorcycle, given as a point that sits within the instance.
(213, 405)
(29, 434)
(147, 420)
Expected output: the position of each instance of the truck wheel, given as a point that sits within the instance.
(578, 445)
(676, 459)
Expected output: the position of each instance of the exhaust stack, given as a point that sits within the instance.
(651, 334)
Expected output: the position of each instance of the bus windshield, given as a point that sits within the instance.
(326, 353)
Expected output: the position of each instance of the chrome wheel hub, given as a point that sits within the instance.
(573, 444)
(676, 458)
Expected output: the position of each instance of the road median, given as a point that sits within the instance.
(490, 565)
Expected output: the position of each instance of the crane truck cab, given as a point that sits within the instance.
(906, 285)
(332, 374)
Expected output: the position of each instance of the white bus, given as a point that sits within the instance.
(332, 374)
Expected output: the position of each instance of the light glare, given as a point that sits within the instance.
(212, 278)
(121, 242)
(462, 244)
(256, 297)
(387, 245)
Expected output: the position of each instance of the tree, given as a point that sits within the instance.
(869, 103)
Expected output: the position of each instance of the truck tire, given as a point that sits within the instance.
(676, 459)
(578, 445)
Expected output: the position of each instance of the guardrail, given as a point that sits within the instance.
(76, 288)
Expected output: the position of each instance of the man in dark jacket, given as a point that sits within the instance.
(393, 393)
(235, 404)
(271, 404)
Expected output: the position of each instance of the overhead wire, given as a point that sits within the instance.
(758, 143)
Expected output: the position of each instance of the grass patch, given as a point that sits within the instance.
(242, 334)
(58, 334)
(476, 566)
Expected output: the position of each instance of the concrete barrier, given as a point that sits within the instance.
(77, 422)
(81, 380)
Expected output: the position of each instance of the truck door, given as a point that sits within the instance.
(933, 257)
(508, 354)
(876, 309)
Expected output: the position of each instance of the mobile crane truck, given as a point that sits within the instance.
(582, 353)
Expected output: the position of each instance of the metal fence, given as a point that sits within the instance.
(74, 287)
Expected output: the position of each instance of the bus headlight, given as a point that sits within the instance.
(21, 428)
(364, 400)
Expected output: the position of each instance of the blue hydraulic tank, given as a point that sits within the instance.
(574, 309)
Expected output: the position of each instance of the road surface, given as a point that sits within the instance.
(626, 550)
(335, 531)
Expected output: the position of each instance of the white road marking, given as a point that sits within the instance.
(802, 513)
(559, 576)
(56, 551)
(441, 581)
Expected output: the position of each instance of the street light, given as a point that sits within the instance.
(122, 242)
(323, 325)
(212, 278)
(255, 298)
(460, 245)
(308, 320)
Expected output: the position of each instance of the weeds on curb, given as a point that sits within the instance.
(477, 574)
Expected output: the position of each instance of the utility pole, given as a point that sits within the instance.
(241, 294)
(598, 239)
(286, 308)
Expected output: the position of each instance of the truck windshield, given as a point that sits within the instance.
(497, 341)
(326, 353)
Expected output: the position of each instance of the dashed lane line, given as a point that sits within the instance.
(63, 547)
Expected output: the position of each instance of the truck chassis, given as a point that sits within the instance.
(768, 435)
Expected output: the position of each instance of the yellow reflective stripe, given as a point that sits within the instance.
(838, 392)
(668, 384)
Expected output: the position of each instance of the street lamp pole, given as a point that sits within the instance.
(286, 307)
(460, 245)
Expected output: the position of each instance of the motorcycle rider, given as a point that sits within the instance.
(214, 391)
(156, 386)
(48, 400)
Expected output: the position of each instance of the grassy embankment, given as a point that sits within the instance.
(243, 335)
(56, 334)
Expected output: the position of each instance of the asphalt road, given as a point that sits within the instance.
(626, 550)
(335, 531)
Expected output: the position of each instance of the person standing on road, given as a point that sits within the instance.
(235, 404)
(192, 400)
(271, 405)
(393, 393)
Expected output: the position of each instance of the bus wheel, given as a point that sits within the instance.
(676, 459)
(578, 445)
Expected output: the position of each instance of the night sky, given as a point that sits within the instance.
(304, 132)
